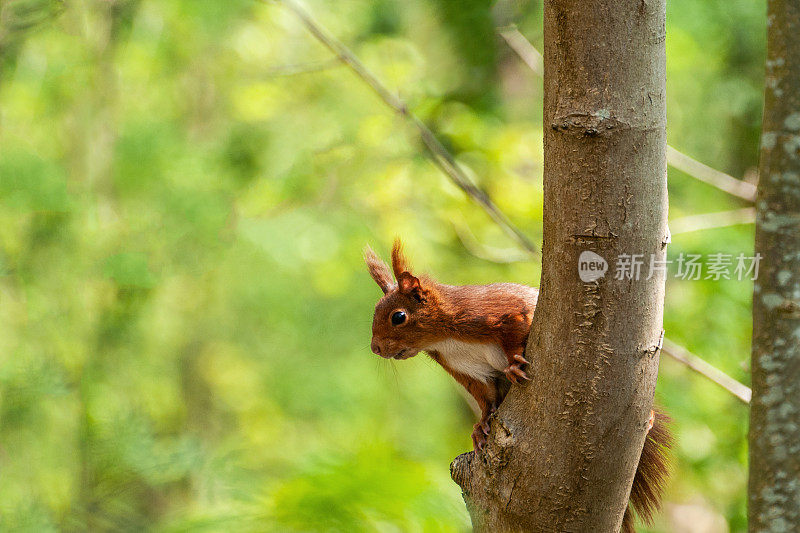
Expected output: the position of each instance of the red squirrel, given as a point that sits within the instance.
(478, 334)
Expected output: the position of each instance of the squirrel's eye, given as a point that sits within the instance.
(398, 317)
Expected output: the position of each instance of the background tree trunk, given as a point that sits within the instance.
(563, 451)
(774, 491)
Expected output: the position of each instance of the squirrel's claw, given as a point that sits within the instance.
(516, 374)
(514, 371)
(478, 438)
(520, 359)
(479, 433)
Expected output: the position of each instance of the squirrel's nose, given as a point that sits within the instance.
(376, 347)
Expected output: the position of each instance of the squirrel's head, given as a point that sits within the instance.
(405, 318)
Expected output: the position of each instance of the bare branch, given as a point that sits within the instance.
(721, 219)
(682, 355)
(304, 68)
(711, 176)
(523, 48)
(439, 154)
(487, 253)
(747, 191)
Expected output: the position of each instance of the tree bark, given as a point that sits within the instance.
(563, 450)
(774, 488)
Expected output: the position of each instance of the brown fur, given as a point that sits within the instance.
(499, 313)
(651, 474)
(378, 270)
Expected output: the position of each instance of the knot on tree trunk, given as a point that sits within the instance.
(588, 124)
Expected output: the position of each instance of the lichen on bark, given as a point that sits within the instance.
(774, 486)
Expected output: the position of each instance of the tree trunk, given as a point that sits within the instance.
(774, 490)
(563, 450)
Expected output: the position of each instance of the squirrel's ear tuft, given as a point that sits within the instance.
(399, 263)
(410, 285)
(378, 270)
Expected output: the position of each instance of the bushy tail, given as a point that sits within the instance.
(651, 474)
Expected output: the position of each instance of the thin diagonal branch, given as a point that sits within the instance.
(720, 219)
(711, 176)
(306, 68)
(676, 159)
(682, 355)
(523, 48)
(439, 154)
(487, 253)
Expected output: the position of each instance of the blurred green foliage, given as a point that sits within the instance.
(185, 190)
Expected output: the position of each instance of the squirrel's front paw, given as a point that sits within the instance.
(514, 371)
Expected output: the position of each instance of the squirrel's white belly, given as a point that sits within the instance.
(481, 361)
